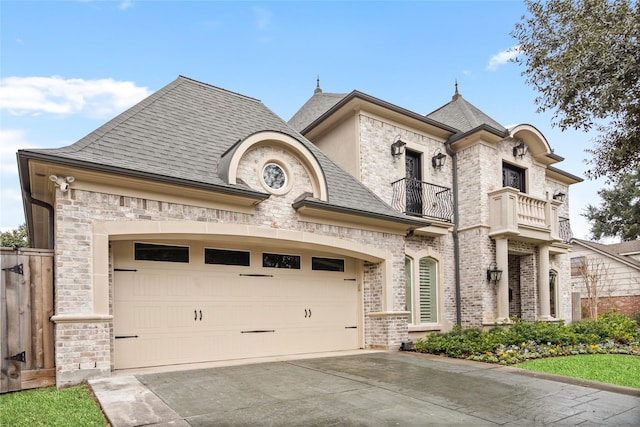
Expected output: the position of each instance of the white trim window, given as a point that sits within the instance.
(421, 285)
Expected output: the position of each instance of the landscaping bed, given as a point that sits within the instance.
(518, 341)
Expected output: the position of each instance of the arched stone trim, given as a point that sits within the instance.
(105, 231)
(228, 166)
(538, 145)
(416, 256)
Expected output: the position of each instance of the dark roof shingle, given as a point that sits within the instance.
(180, 132)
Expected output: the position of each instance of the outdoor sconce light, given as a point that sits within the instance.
(520, 150)
(493, 274)
(438, 159)
(63, 183)
(397, 148)
(559, 196)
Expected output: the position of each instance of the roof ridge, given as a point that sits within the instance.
(180, 76)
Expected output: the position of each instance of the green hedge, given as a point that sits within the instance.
(522, 340)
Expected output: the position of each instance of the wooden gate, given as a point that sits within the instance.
(26, 331)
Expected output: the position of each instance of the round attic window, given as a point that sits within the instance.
(274, 176)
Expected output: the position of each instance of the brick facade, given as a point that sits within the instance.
(84, 349)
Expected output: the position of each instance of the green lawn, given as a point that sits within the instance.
(618, 369)
(69, 407)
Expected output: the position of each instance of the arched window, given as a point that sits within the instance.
(421, 284)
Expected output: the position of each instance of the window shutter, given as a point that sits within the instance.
(428, 302)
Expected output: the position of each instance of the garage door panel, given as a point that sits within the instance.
(208, 313)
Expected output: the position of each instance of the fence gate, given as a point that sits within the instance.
(26, 333)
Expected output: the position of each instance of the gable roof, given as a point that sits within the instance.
(614, 251)
(178, 135)
(464, 116)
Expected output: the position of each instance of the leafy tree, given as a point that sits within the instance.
(16, 238)
(619, 213)
(583, 57)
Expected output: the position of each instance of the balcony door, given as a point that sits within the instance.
(413, 165)
(513, 176)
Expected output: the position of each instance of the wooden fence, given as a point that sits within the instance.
(26, 331)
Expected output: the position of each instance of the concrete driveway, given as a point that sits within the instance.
(369, 389)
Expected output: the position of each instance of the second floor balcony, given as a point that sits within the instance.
(512, 213)
(419, 198)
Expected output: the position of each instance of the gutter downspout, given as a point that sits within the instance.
(49, 208)
(456, 239)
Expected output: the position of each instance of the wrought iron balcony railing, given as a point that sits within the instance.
(419, 198)
(564, 230)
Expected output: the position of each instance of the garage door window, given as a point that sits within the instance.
(227, 257)
(163, 253)
(281, 261)
(327, 264)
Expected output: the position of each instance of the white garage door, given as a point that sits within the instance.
(168, 312)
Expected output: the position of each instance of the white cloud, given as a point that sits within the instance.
(125, 4)
(503, 57)
(11, 140)
(56, 95)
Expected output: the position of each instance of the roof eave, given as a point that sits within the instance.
(483, 127)
(590, 245)
(376, 101)
(405, 223)
(25, 155)
(570, 178)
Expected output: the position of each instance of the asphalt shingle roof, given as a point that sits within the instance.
(316, 106)
(180, 133)
(615, 250)
(464, 116)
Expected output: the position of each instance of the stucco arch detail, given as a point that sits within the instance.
(538, 144)
(105, 231)
(231, 159)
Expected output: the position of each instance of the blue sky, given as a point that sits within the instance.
(66, 67)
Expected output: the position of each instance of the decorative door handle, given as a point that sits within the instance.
(309, 313)
(305, 313)
(195, 314)
(201, 315)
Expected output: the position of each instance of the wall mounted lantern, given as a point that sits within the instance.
(438, 159)
(520, 150)
(493, 274)
(397, 148)
(559, 196)
(61, 182)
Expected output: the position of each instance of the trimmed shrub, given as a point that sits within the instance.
(522, 340)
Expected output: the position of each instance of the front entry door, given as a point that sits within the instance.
(413, 167)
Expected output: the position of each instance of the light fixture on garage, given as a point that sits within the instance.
(397, 148)
(438, 159)
(493, 274)
(520, 150)
(63, 183)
